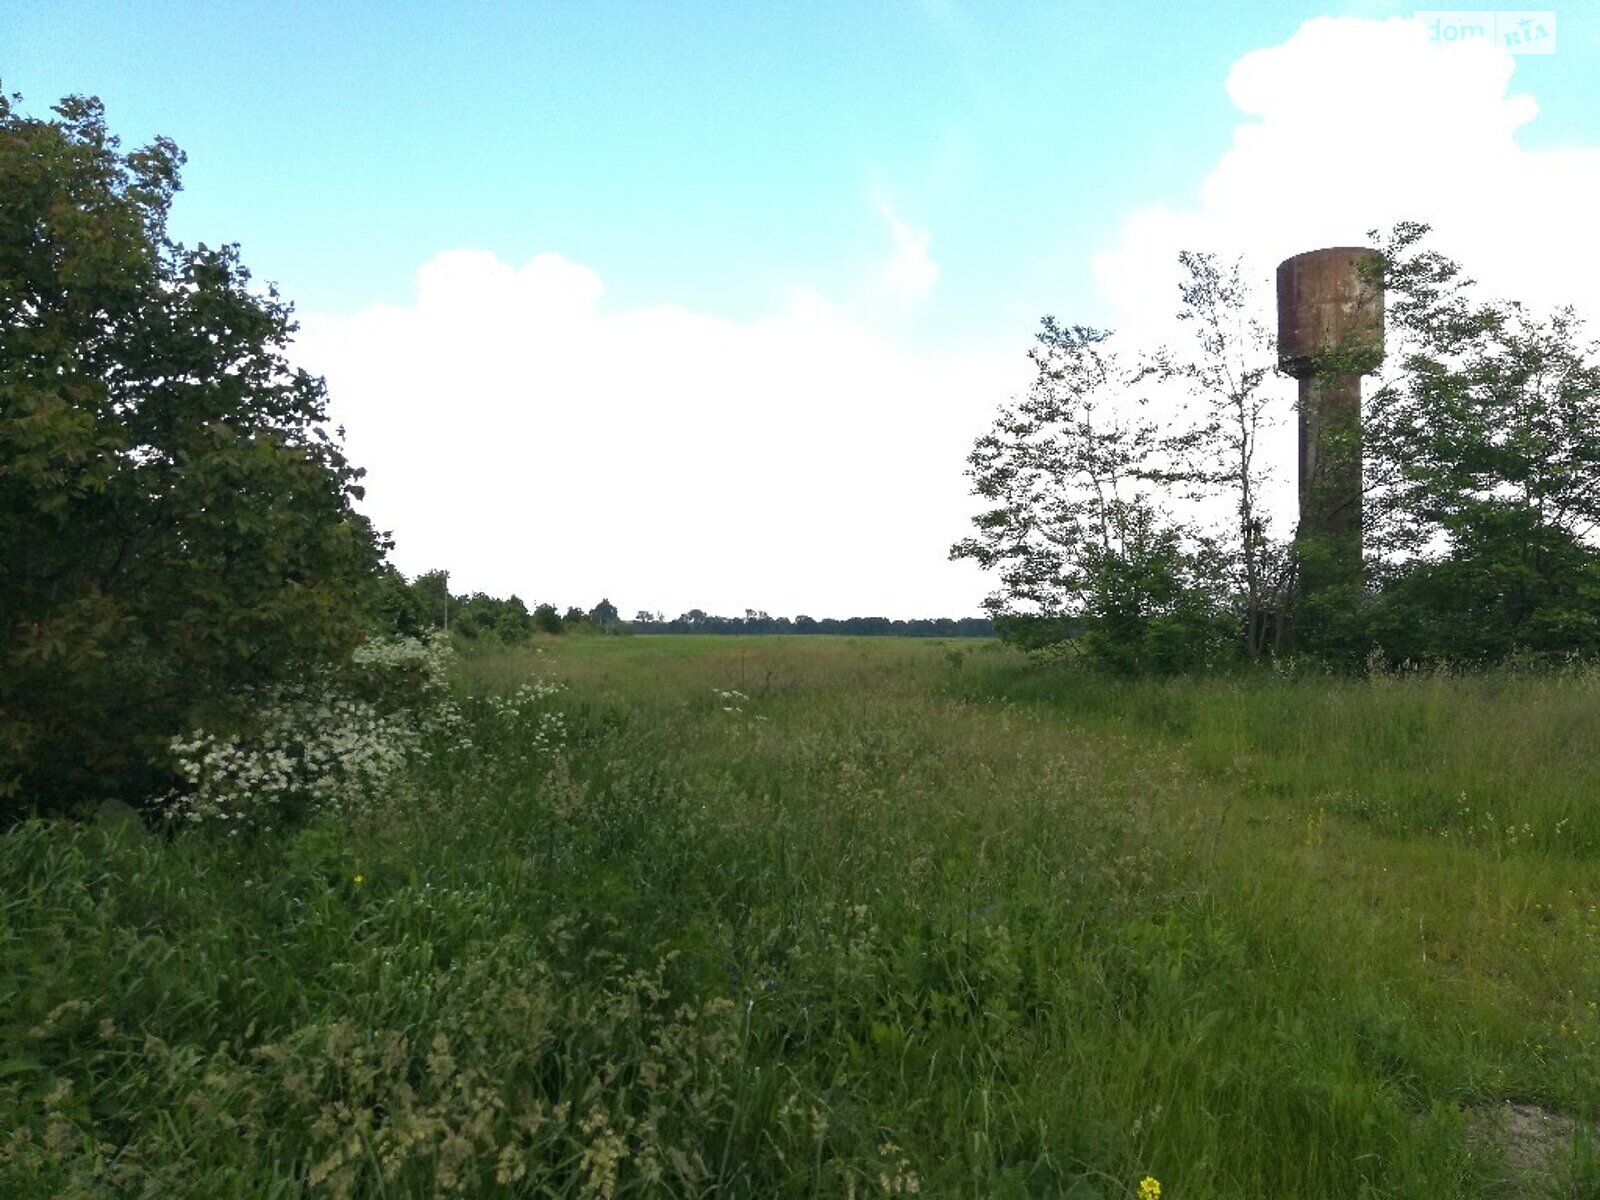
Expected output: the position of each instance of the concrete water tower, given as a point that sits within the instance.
(1330, 334)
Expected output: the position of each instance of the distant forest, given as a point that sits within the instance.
(695, 621)
(425, 603)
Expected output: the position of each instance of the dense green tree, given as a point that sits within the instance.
(481, 616)
(1483, 466)
(546, 619)
(400, 607)
(605, 616)
(426, 605)
(699, 621)
(429, 607)
(431, 595)
(474, 616)
(175, 521)
(514, 623)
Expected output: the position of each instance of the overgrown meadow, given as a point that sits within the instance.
(815, 917)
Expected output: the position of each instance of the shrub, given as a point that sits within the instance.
(341, 741)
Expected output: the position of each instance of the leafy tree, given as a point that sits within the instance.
(1229, 369)
(475, 616)
(430, 606)
(1072, 477)
(175, 521)
(399, 607)
(513, 623)
(431, 593)
(546, 619)
(604, 615)
(1484, 470)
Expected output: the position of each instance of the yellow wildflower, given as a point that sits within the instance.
(1149, 1188)
(359, 879)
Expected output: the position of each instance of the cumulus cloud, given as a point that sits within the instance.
(520, 434)
(1353, 124)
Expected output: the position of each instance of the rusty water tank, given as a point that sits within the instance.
(1330, 334)
(1330, 304)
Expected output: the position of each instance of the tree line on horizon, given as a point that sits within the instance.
(424, 605)
(755, 621)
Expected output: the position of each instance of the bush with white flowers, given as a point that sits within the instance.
(340, 741)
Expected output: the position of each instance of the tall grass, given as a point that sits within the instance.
(1507, 760)
(824, 917)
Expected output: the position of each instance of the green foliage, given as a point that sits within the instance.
(1030, 631)
(575, 620)
(432, 600)
(1485, 453)
(482, 616)
(604, 616)
(1155, 607)
(400, 608)
(425, 606)
(1229, 371)
(1510, 586)
(175, 521)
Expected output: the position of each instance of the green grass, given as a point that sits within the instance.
(1502, 761)
(908, 915)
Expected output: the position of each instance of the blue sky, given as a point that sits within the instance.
(706, 154)
(935, 175)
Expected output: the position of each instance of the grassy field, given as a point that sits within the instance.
(814, 917)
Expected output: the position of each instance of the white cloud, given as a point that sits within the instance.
(1353, 124)
(527, 439)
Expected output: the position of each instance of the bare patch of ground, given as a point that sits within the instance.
(1532, 1139)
